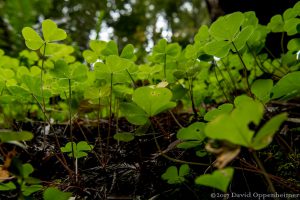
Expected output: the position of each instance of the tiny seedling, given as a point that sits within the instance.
(173, 176)
(78, 150)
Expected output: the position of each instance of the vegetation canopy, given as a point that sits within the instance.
(216, 115)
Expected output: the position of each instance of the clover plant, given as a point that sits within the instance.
(54, 193)
(76, 151)
(27, 184)
(139, 111)
(207, 78)
(173, 176)
(219, 179)
(234, 126)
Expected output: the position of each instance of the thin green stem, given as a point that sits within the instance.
(76, 169)
(131, 78)
(176, 121)
(230, 75)
(110, 113)
(170, 158)
(86, 139)
(225, 80)
(245, 69)
(63, 161)
(98, 127)
(190, 81)
(42, 91)
(272, 189)
(275, 59)
(261, 67)
(165, 67)
(3, 89)
(282, 43)
(117, 113)
(71, 127)
(221, 87)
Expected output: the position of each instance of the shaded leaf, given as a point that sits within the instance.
(222, 109)
(54, 193)
(287, 87)
(265, 135)
(219, 179)
(262, 88)
(124, 136)
(7, 186)
(28, 190)
(173, 177)
(234, 126)
(6, 136)
(191, 136)
(134, 114)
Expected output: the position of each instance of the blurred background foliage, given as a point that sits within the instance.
(140, 22)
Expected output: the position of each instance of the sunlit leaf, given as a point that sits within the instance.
(158, 99)
(110, 49)
(226, 27)
(294, 44)
(276, 24)
(51, 33)
(32, 40)
(128, 52)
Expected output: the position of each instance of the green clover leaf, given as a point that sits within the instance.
(219, 179)
(50, 34)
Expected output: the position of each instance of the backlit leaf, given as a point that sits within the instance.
(51, 32)
(32, 40)
(226, 27)
(158, 99)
